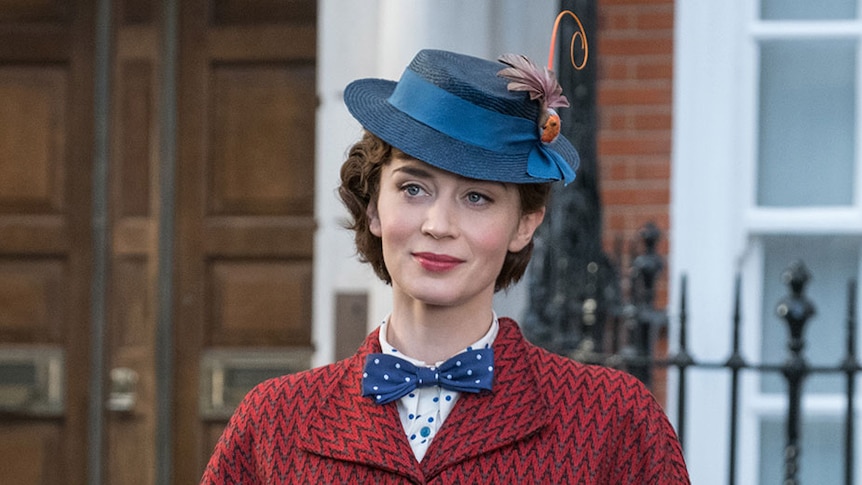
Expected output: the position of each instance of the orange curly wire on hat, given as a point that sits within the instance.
(580, 32)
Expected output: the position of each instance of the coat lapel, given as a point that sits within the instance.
(514, 410)
(347, 426)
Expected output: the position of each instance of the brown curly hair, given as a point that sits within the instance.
(360, 183)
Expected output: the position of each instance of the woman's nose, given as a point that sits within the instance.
(440, 220)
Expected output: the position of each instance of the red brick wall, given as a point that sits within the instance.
(635, 79)
(634, 49)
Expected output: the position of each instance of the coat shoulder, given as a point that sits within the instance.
(601, 408)
(303, 386)
(560, 369)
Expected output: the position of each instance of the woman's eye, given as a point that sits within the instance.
(476, 198)
(412, 189)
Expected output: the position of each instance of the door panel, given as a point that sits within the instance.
(28, 453)
(259, 303)
(130, 410)
(260, 124)
(46, 98)
(29, 292)
(35, 105)
(245, 187)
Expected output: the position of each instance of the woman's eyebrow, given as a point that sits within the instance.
(416, 171)
(413, 171)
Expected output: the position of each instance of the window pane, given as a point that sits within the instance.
(807, 123)
(820, 456)
(832, 261)
(807, 9)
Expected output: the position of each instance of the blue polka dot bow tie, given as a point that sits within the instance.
(387, 378)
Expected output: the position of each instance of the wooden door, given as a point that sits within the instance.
(46, 142)
(245, 201)
(241, 209)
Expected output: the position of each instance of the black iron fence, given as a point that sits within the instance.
(628, 340)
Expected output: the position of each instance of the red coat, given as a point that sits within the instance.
(548, 420)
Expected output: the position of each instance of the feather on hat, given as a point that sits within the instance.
(542, 86)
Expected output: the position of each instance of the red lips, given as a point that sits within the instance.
(437, 262)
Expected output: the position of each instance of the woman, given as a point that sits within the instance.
(445, 191)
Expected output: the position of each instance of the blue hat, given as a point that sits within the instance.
(456, 113)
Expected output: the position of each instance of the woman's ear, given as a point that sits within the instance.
(373, 218)
(526, 228)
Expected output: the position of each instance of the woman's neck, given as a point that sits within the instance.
(434, 333)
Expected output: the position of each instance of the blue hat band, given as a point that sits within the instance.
(468, 123)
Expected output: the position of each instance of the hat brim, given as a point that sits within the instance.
(367, 101)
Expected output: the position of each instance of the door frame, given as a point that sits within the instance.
(165, 275)
(167, 116)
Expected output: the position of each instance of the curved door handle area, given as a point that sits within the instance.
(123, 392)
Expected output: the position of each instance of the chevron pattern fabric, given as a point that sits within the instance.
(547, 420)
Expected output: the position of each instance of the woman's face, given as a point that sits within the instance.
(444, 236)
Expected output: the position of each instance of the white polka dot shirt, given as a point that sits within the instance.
(424, 410)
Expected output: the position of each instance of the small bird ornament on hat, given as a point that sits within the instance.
(542, 86)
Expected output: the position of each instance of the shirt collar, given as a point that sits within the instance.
(485, 342)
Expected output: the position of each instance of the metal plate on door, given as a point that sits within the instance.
(32, 381)
(227, 374)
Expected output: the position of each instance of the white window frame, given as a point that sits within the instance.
(716, 225)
